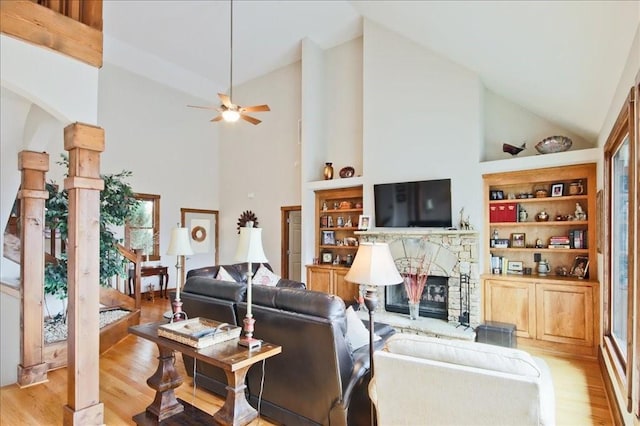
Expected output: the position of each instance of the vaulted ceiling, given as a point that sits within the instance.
(559, 59)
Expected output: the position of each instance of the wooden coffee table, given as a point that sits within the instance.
(235, 360)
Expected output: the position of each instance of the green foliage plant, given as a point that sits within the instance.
(117, 202)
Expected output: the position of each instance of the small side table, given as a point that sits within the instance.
(235, 360)
(151, 271)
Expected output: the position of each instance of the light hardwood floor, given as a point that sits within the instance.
(124, 369)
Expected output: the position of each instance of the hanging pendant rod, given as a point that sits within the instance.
(231, 51)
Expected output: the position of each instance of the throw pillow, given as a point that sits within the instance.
(223, 275)
(357, 333)
(264, 276)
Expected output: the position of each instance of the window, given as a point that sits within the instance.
(142, 231)
(621, 229)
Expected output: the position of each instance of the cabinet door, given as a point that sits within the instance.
(348, 291)
(512, 303)
(319, 279)
(565, 314)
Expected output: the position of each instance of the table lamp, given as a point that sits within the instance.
(250, 251)
(179, 246)
(373, 266)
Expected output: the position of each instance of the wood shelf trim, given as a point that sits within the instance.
(551, 223)
(339, 247)
(339, 228)
(336, 211)
(544, 250)
(540, 199)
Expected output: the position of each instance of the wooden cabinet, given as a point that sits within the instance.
(337, 213)
(554, 314)
(557, 311)
(331, 280)
(513, 303)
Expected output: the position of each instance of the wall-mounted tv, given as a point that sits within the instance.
(424, 203)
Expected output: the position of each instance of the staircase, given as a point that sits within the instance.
(55, 354)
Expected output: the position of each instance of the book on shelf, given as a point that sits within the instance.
(578, 238)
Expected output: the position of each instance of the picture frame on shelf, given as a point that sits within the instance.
(518, 240)
(327, 257)
(364, 222)
(557, 190)
(328, 238)
(496, 195)
(515, 267)
(580, 268)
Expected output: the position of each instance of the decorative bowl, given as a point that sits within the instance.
(347, 172)
(553, 144)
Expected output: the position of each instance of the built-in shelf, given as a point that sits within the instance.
(334, 183)
(538, 199)
(551, 223)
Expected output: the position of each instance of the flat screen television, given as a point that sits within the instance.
(424, 203)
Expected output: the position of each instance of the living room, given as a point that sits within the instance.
(451, 125)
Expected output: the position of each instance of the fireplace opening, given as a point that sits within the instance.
(433, 302)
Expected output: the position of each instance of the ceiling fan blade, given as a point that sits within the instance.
(255, 108)
(203, 107)
(226, 100)
(217, 118)
(250, 119)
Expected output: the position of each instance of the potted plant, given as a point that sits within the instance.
(116, 205)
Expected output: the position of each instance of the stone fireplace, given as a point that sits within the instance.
(433, 303)
(447, 257)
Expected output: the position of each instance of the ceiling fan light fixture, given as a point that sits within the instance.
(230, 116)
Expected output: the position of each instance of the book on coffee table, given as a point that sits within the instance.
(199, 332)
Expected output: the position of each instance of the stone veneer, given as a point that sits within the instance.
(451, 252)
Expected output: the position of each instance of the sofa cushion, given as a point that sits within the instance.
(357, 332)
(223, 275)
(471, 354)
(264, 276)
(226, 290)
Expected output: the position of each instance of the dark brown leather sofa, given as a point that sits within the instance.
(317, 379)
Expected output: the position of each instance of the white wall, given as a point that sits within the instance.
(343, 103)
(508, 122)
(260, 165)
(172, 150)
(422, 119)
(68, 94)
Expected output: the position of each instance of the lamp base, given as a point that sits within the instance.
(178, 313)
(248, 341)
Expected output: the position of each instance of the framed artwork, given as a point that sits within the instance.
(515, 267)
(328, 238)
(327, 257)
(580, 268)
(203, 232)
(364, 222)
(496, 195)
(557, 189)
(517, 240)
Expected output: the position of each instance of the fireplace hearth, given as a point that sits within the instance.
(433, 303)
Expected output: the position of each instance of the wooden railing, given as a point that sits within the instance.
(89, 12)
(72, 27)
(136, 259)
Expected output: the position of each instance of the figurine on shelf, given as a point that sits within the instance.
(579, 213)
(348, 223)
(324, 206)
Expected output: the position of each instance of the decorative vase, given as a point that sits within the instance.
(414, 310)
(328, 171)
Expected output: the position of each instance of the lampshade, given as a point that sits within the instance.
(250, 246)
(179, 244)
(374, 265)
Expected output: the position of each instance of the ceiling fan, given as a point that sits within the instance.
(229, 111)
